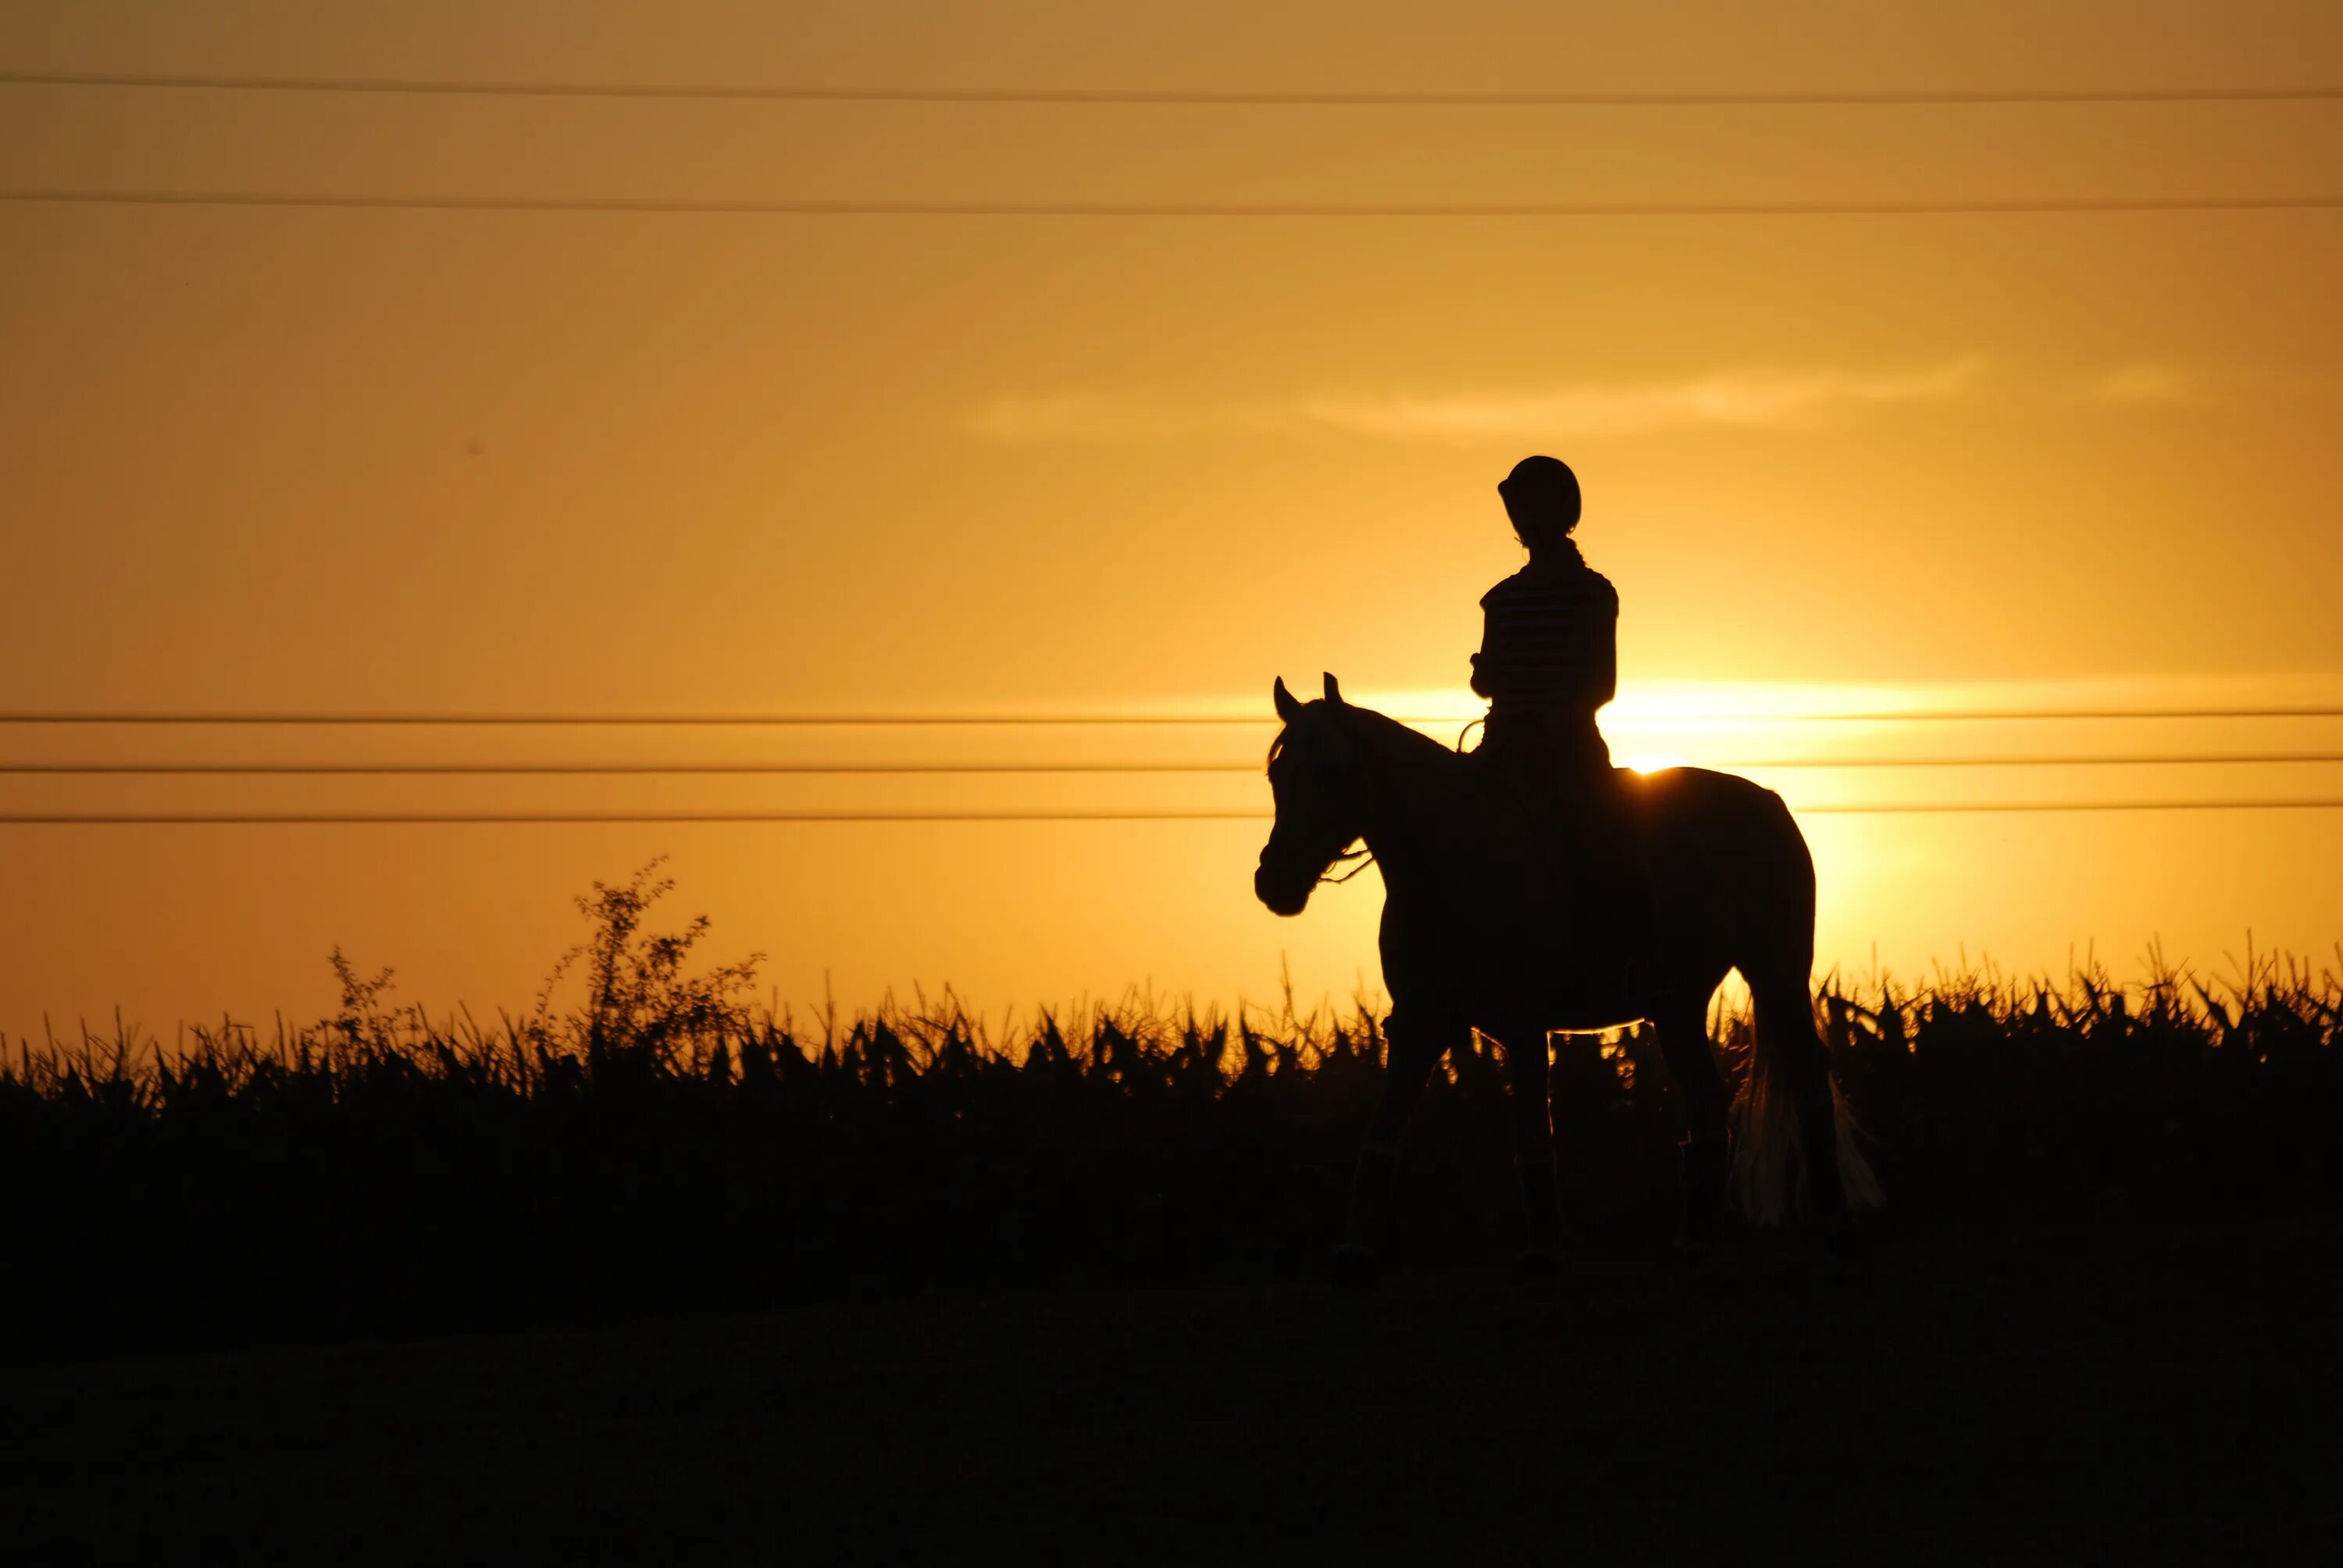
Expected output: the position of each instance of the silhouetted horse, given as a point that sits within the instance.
(1471, 941)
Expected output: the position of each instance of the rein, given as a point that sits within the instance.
(1366, 857)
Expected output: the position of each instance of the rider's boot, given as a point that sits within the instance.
(1646, 979)
(1358, 1261)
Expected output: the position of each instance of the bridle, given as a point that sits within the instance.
(1352, 775)
(1367, 857)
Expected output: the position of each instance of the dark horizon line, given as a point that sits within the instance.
(661, 206)
(1202, 97)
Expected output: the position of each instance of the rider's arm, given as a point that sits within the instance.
(1487, 671)
(1603, 681)
(1602, 668)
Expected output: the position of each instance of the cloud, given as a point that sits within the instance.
(1733, 399)
(2142, 383)
(1571, 410)
(1076, 416)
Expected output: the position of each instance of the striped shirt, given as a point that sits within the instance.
(1549, 642)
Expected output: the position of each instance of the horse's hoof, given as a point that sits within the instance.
(1845, 1238)
(1539, 1268)
(1356, 1268)
(1692, 1256)
(1829, 1248)
(1697, 1241)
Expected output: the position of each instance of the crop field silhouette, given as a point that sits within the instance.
(665, 1143)
(655, 1274)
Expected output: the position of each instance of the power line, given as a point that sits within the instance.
(180, 818)
(2001, 715)
(600, 769)
(1300, 98)
(354, 819)
(2144, 759)
(809, 720)
(1998, 207)
(622, 770)
(1887, 809)
(1259, 719)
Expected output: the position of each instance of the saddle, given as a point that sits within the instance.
(1583, 885)
(1559, 819)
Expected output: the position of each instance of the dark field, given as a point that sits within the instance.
(661, 1146)
(2151, 1392)
(658, 1275)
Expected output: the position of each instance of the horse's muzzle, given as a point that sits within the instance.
(1284, 895)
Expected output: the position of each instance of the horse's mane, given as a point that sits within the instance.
(1393, 744)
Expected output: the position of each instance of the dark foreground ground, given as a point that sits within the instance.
(2152, 1393)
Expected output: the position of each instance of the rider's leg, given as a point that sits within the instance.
(1528, 1070)
(1683, 1042)
(1413, 1047)
(1621, 874)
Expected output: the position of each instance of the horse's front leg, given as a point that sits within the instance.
(1528, 1070)
(1413, 1045)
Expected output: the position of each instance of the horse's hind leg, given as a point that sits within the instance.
(1684, 1042)
(1790, 1052)
(1413, 1046)
(1529, 1071)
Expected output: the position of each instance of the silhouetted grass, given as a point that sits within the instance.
(663, 1142)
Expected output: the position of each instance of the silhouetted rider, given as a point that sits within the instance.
(1549, 646)
(1549, 658)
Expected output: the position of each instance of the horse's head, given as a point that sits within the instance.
(1314, 772)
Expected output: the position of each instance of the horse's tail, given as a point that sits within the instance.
(1796, 1150)
(1789, 1110)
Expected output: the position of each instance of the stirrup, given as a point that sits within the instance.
(1644, 978)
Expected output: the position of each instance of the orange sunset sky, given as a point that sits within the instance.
(393, 460)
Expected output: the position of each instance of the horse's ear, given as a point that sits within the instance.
(1333, 693)
(1287, 709)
